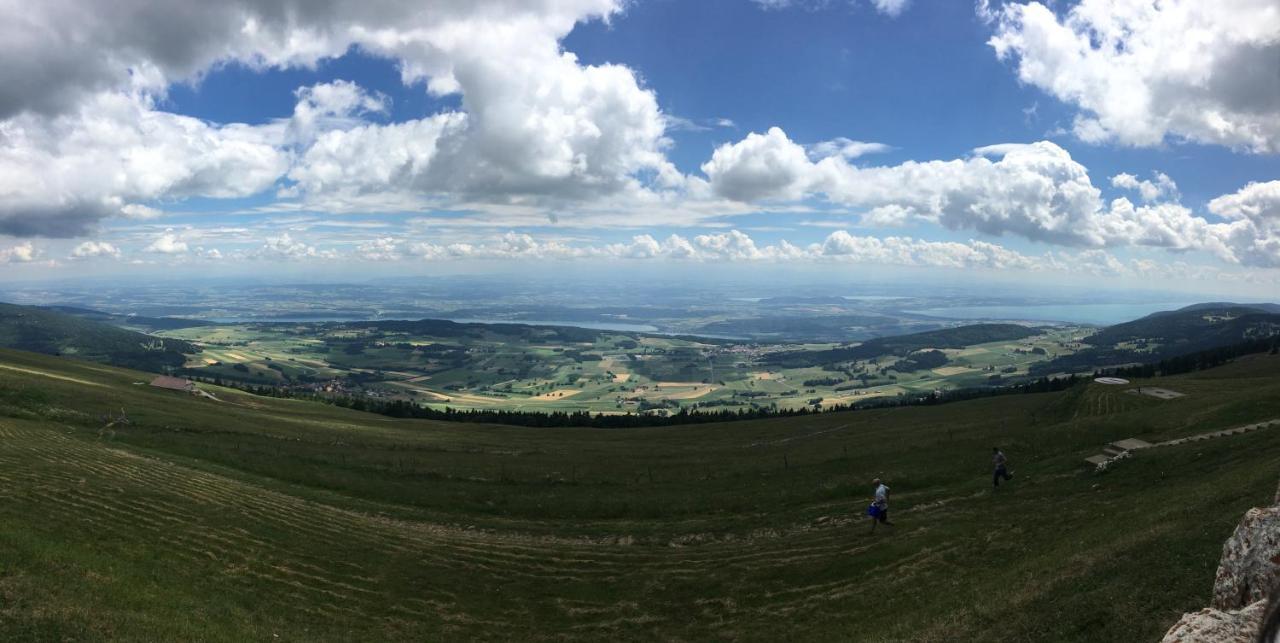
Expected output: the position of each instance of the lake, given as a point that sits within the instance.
(1100, 314)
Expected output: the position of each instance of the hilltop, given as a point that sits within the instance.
(138, 513)
(903, 345)
(1169, 334)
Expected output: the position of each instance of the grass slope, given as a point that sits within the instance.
(901, 345)
(49, 331)
(250, 518)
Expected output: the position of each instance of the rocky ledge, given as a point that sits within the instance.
(1249, 568)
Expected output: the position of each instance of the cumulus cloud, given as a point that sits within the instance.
(285, 248)
(1035, 191)
(760, 166)
(90, 249)
(1141, 71)
(1254, 231)
(381, 249)
(535, 127)
(24, 252)
(167, 243)
(59, 51)
(1161, 187)
(60, 175)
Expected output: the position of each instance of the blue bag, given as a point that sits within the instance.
(873, 511)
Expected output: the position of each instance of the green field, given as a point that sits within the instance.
(539, 369)
(255, 518)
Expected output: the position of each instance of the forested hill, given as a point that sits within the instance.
(1193, 327)
(902, 345)
(1169, 334)
(130, 322)
(48, 331)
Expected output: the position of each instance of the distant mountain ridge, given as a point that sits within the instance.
(1214, 305)
(903, 345)
(1171, 333)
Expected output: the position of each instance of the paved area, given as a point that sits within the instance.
(1162, 393)
(1133, 444)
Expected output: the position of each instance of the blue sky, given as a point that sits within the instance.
(451, 136)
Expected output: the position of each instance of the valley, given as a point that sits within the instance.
(538, 368)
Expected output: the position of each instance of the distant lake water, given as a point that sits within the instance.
(1100, 314)
(626, 328)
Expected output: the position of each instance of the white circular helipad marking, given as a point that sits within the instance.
(1110, 380)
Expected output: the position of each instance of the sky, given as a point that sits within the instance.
(1122, 142)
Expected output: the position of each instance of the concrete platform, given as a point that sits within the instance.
(1159, 393)
(1131, 444)
(1096, 460)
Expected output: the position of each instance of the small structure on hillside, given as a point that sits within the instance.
(174, 383)
(1114, 381)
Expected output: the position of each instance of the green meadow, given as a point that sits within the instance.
(129, 512)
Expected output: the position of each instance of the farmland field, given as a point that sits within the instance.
(527, 368)
(131, 512)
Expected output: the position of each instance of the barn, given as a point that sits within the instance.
(173, 383)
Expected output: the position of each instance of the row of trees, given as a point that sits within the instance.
(1198, 360)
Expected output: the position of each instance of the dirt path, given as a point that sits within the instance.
(56, 377)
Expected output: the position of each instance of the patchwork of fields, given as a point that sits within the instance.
(544, 369)
(146, 514)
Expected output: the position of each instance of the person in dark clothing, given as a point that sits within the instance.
(1001, 463)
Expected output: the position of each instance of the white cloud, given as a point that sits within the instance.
(381, 249)
(139, 211)
(846, 148)
(1141, 71)
(1161, 187)
(285, 248)
(1254, 231)
(24, 252)
(760, 166)
(90, 249)
(891, 7)
(167, 243)
(59, 175)
(1036, 191)
(536, 127)
(334, 105)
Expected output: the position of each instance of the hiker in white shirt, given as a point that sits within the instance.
(879, 509)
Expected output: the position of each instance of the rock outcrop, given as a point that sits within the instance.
(1249, 568)
(1211, 625)
(1250, 560)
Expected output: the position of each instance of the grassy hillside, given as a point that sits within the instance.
(1168, 334)
(252, 518)
(902, 345)
(49, 331)
(131, 322)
